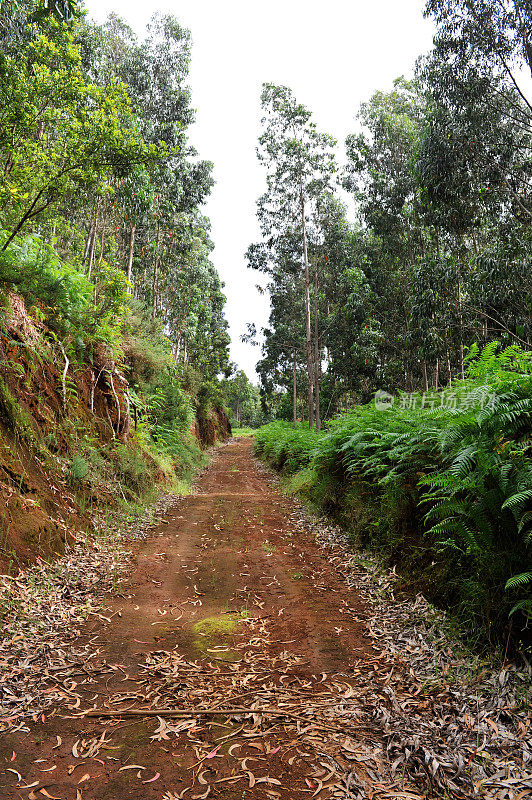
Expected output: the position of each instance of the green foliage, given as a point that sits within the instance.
(286, 447)
(243, 432)
(60, 132)
(452, 480)
(101, 234)
(62, 9)
(16, 417)
(79, 468)
(243, 401)
(77, 309)
(33, 268)
(133, 466)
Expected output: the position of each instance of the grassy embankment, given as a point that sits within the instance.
(440, 485)
(96, 417)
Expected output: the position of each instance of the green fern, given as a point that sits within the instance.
(468, 469)
(519, 580)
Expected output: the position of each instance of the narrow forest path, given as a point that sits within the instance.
(229, 604)
(236, 663)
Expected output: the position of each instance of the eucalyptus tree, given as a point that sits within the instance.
(475, 164)
(60, 134)
(346, 302)
(381, 174)
(243, 399)
(300, 166)
(284, 345)
(477, 72)
(17, 16)
(154, 204)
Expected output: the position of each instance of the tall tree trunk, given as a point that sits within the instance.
(91, 248)
(436, 373)
(294, 390)
(90, 236)
(461, 317)
(317, 359)
(130, 257)
(102, 238)
(307, 310)
(425, 378)
(87, 244)
(155, 281)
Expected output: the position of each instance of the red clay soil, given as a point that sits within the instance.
(229, 603)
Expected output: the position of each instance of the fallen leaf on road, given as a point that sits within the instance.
(131, 766)
(155, 777)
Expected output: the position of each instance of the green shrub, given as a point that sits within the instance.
(33, 269)
(448, 488)
(285, 447)
(132, 466)
(70, 303)
(79, 469)
(146, 348)
(244, 431)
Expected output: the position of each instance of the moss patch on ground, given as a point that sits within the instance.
(217, 626)
(213, 632)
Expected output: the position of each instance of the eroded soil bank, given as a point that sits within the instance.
(233, 664)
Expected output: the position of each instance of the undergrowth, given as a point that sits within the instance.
(243, 432)
(441, 484)
(63, 337)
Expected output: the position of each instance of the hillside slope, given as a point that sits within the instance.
(72, 439)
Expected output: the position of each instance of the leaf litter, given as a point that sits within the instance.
(421, 719)
(451, 723)
(43, 609)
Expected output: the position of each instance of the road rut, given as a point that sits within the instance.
(231, 605)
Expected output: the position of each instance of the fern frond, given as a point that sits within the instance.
(519, 580)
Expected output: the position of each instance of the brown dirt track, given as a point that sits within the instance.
(231, 604)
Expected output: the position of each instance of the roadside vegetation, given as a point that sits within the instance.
(396, 359)
(113, 338)
(439, 483)
(243, 432)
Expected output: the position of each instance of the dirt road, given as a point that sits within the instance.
(233, 664)
(230, 606)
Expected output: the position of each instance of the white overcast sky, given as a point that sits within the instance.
(333, 55)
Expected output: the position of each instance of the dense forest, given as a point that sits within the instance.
(319, 584)
(113, 335)
(432, 255)
(417, 293)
